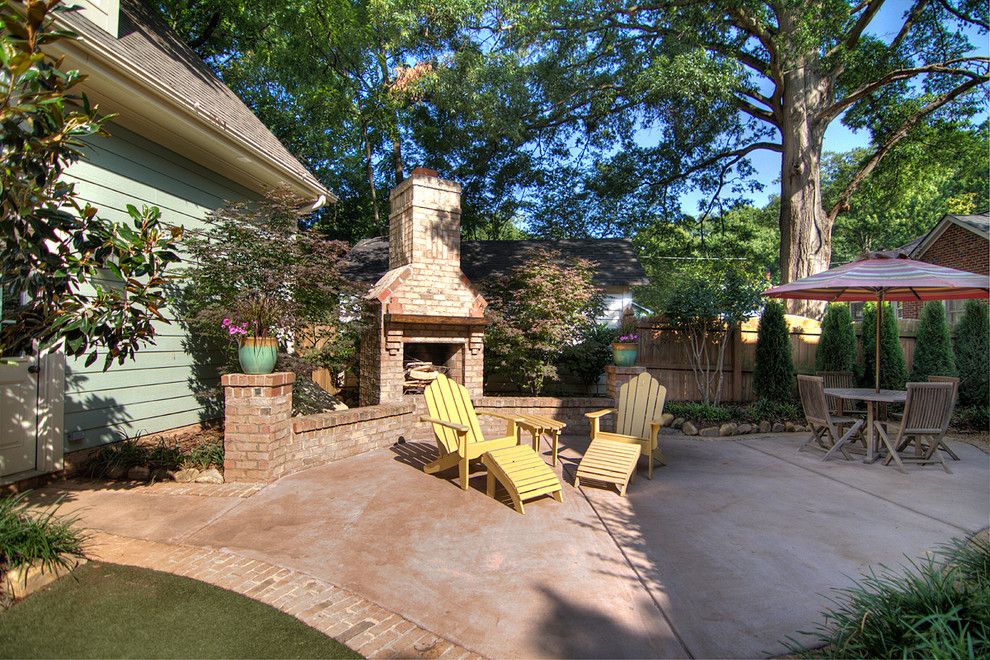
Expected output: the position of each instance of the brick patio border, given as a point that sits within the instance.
(367, 628)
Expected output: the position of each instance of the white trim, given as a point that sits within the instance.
(51, 411)
(154, 111)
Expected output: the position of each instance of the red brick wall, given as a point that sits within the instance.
(956, 248)
(569, 410)
(331, 436)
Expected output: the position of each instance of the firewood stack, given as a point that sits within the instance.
(420, 374)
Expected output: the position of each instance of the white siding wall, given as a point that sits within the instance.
(158, 389)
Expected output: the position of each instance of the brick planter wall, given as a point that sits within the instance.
(257, 413)
(616, 376)
(331, 436)
(569, 410)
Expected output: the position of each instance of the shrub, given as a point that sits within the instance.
(893, 372)
(973, 354)
(972, 418)
(706, 304)
(534, 311)
(933, 346)
(773, 373)
(837, 344)
(930, 609)
(114, 460)
(28, 537)
(205, 455)
(772, 411)
(700, 412)
(588, 358)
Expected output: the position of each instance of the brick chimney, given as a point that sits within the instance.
(424, 308)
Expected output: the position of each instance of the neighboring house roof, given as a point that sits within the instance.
(615, 258)
(149, 58)
(979, 224)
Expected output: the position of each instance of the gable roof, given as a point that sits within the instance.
(615, 259)
(979, 224)
(149, 56)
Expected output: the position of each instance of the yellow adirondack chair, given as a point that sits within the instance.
(639, 406)
(455, 424)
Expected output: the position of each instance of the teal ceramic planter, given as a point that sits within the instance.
(624, 354)
(257, 355)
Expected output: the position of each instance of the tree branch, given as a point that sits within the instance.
(963, 17)
(755, 112)
(204, 36)
(948, 67)
(864, 21)
(736, 155)
(842, 202)
(908, 23)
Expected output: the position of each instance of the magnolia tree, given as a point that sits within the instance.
(70, 278)
(705, 304)
(256, 272)
(535, 311)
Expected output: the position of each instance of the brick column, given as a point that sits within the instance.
(616, 376)
(257, 425)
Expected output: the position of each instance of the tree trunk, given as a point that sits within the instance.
(370, 166)
(805, 228)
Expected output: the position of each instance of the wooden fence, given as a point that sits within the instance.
(667, 355)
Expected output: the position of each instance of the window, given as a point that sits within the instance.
(954, 310)
(856, 310)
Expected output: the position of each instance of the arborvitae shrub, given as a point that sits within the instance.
(893, 372)
(773, 374)
(933, 346)
(973, 354)
(837, 345)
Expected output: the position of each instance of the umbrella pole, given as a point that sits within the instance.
(876, 362)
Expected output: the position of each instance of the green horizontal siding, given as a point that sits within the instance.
(172, 383)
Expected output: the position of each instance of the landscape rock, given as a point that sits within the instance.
(710, 432)
(678, 423)
(185, 476)
(777, 428)
(138, 473)
(744, 428)
(689, 428)
(211, 476)
(727, 429)
(116, 472)
(789, 427)
(666, 419)
(765, 426)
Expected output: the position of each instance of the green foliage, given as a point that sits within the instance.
(893, 372)
(536, 310)
(70, 278)
(112, 461)
(928, 609)
(973, 354)
(972, 418)
(773, 411)
(29, 537)
(706, 302)
(837, 344)
(933, 346)
(700, 412)
(773, 373)
(205, 454)
(255, 265)
(588, 358)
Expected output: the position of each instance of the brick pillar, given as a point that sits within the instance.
(616, 376)
(257, 425)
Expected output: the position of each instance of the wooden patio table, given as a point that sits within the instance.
(537, 425)
(871, 397)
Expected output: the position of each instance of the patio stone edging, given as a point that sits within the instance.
(366, 627)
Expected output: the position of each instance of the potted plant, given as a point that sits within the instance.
(624, 349)
(257, 348)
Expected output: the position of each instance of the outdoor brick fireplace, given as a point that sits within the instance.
(423, 309)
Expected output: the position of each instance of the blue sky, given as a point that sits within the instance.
(838, 137)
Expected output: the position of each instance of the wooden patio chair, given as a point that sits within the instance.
(455, 425)
(826, 428)
(842, 379)
(609, 459)
(955, 396)
(927, 411)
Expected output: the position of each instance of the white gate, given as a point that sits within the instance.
(18, 415)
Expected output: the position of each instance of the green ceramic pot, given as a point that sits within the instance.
(624, 354)
(257, 355)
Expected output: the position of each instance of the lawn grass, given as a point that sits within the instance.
(112, 611)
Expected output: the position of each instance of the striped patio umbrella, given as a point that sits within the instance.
(885, 278)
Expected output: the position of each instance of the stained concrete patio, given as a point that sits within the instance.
(731, 548)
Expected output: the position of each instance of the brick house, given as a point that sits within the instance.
(957, 241)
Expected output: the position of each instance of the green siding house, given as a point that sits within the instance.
(181, 141)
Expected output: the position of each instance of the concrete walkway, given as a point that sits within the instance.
(729, 549)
